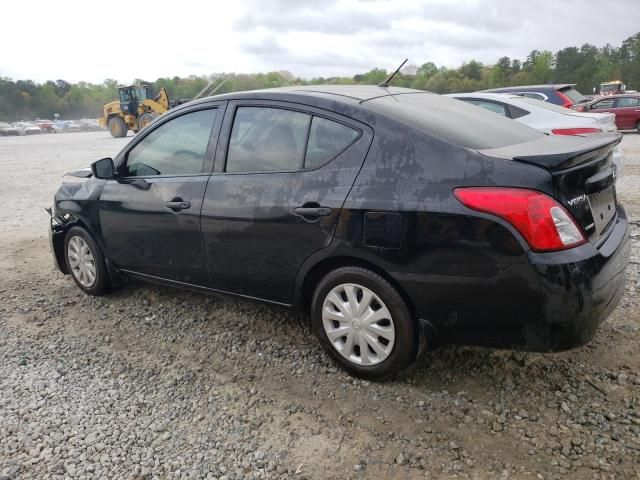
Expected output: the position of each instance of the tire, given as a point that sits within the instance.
(386, 355)
(78, 264)
(117, 127)
(145, 119)
(638, 127)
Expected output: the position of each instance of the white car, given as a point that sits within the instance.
(546, 117)
(27, 128)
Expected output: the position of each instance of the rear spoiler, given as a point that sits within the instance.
(559, 152)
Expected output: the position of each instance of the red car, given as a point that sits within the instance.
(45, 125)
(626, 107)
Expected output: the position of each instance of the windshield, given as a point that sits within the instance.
(456, 122)
(546, 105)
(609, 88)
(574, 95)
(141, 93)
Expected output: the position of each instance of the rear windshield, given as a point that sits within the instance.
(454, 121)
(574, 95)
(547, 106)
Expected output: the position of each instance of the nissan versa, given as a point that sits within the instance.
(396, 219)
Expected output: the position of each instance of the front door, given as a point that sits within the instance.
(150, 215)
(282, 175)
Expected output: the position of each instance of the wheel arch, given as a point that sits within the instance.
(316, 272)
(65, 221)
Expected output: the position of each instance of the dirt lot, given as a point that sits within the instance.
(151, 382)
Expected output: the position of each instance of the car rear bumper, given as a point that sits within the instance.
(579, 288)
(542, 302)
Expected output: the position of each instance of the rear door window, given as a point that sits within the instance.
(271, 139)
(627, 102)
(267, 139)
(327, 140)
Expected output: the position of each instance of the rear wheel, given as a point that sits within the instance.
(363, 323)
(85, 262)
(638, 127)
(117, 127)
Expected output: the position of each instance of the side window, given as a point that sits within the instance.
(327, 139)
(535, 96)
(516, 112)
(607, 103)
(627, 102)
(177, 147)
(491, 106)
(267, 139)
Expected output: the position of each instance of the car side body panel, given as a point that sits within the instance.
(254, 240)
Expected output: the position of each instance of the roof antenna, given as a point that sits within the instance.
(385, 84)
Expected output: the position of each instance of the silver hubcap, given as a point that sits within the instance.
(81, 261)
(358, 324)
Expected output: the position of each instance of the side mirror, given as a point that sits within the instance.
(104, 169)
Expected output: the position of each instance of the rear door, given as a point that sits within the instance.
(150, 215)
(627, 110)
(281, 176)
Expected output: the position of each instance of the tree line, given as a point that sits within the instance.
(587, 66)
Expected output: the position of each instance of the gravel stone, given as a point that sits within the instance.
(153, 383)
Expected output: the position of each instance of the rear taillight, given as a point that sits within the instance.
(541, 220)
(579, 108)
(566, 101)
(574, 131)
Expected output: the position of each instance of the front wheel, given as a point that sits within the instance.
(117, 127)
(85, 262)
(638, 127)
(363, 323)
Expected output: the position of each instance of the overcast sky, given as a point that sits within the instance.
(92, 41)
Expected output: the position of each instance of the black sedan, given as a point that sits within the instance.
(398, 220)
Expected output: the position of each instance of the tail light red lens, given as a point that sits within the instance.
(540, 219)
(575, 131)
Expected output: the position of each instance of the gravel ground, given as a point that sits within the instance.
(151, 382)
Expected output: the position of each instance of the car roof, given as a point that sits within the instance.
(552, 86)
(344, 93)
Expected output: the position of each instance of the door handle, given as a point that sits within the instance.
(178, 205)
(312, 211)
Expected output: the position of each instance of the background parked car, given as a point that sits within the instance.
(7, 129)
(45, 125)
(27, 128)
(625, 107)
(88, 124)
(546, 117)
(543, 116)
(66, 126)
(562, 94)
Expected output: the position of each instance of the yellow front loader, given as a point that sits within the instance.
(136, 108)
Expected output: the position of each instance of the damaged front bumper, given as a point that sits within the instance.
(57, 228)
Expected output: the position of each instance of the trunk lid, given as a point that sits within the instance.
(606, 121)
(583, 175)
